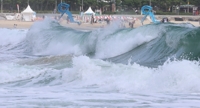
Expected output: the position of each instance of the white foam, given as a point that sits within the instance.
(11, 36)
(176, 76)
(11, 72)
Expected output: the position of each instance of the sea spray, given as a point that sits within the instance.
(42, 68)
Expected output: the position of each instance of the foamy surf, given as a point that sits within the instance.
(54, 66)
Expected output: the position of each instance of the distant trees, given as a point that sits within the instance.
(75, 5)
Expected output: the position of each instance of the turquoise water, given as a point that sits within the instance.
(49, 65)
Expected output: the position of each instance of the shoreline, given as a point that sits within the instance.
(84, 26)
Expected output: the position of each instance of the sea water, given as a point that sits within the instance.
(51, 66)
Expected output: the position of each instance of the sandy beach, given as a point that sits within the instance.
(23, 25)
(90, 26)
(19, 24)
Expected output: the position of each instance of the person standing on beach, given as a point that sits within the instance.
(92, 19)
(108, 21)
(15, 25)
(131, 24)
(67, 19)
(54, 11)
(136, 11)
(22, 17)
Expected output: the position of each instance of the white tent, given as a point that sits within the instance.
(28, 14)
(89, 11)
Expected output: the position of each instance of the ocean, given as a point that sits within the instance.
(51, 66)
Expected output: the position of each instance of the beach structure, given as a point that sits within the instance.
(98, 12)
(147, 11)
(28, 14)
(89, 12)
(10, 17)
(88, 15)
(63, 8)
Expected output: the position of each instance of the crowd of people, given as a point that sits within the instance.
(107, 19)
(101, 19)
